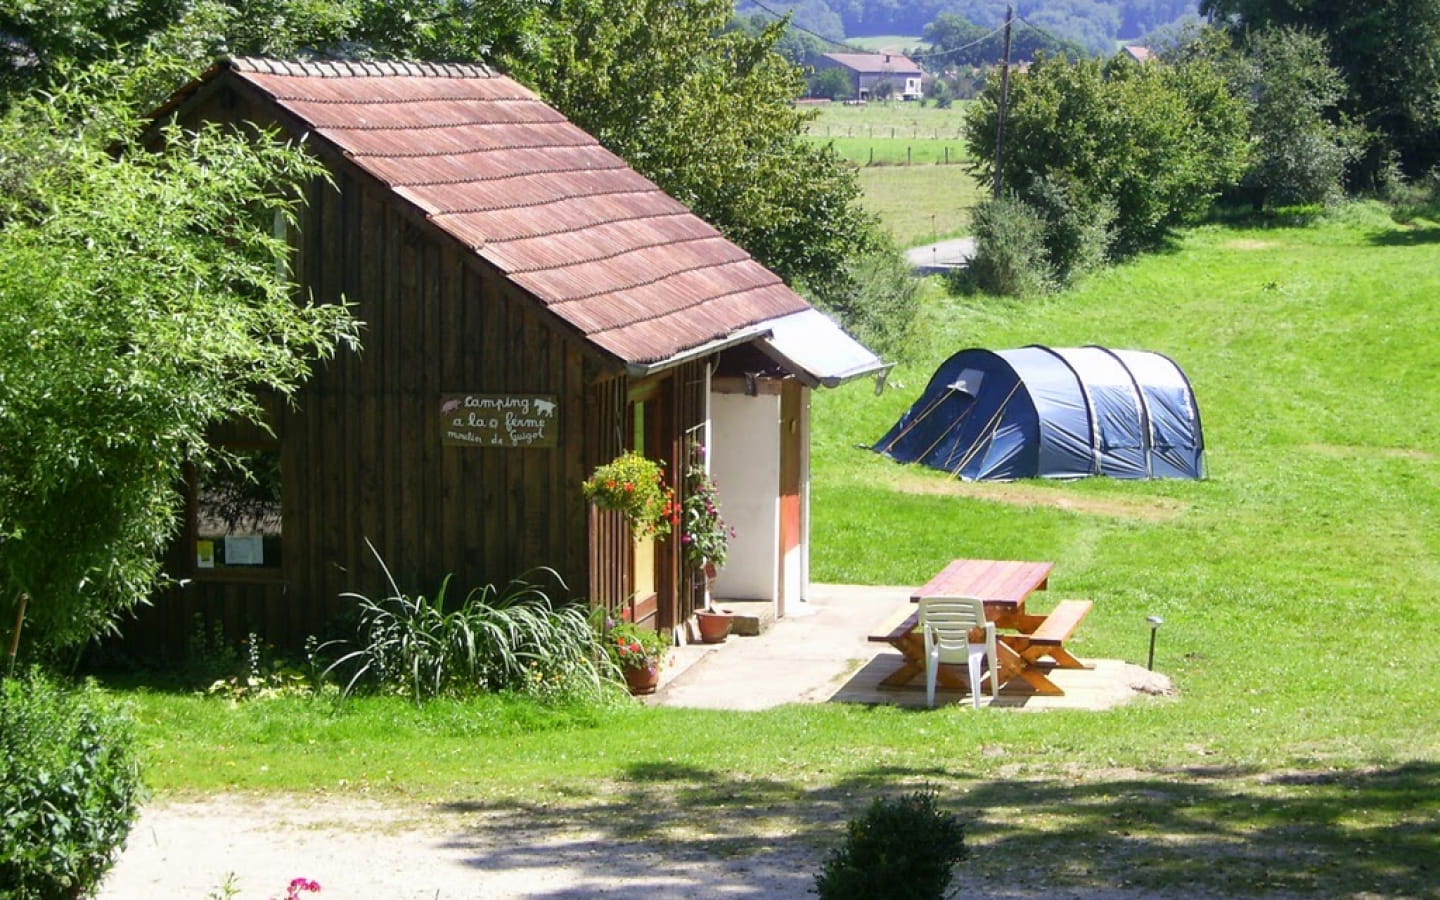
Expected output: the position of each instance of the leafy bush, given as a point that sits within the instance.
(1301, 144)
(1160, 142)
(1417, 199)
(69, 788)
(496, 640)
(900, 849)
(1077, 226)
(1010, 257)
(874, 297)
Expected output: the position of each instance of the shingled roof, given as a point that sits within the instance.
(876, 63)
(484, 159)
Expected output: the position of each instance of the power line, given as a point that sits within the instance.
(1060, 41)
(974, 43)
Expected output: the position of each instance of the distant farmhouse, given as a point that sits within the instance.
(869, 71)
(1138, 53)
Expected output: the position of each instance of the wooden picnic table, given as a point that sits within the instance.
(1004, 586)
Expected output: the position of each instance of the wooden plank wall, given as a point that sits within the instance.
(689, 394)
(362, 460)
(610, 547)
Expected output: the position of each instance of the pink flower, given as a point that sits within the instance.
(301, 885)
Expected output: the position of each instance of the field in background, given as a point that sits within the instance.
(901, 149)
(883, 43)
(905, 119)
(920, 204)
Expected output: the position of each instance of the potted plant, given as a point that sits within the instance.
(705, 541)
(637, 653)
(635, 487)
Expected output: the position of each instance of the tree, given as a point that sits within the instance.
(966, 44)
(138, 310)
(832, 82)
(708, 115)
(1389, 53)
(1302, 143)
(1157, 142)
(703, 109)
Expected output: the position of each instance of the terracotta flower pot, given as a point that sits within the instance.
(714, 625)
(642, 679)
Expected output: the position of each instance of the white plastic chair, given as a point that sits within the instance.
(947, 622)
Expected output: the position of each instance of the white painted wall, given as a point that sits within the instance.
(745, 461)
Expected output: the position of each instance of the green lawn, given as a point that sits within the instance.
(920, 204)
(1299, 587)
(891, 119)
(901, 150)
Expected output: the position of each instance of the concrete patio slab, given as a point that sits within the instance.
(818, 653)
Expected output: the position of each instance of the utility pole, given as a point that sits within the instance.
(1004, 105)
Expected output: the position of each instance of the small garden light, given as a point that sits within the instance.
(1155, 623)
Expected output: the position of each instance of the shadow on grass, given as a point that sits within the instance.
(1247, 218)
(1410, 237)
(1222, 832)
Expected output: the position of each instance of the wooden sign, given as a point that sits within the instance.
(499, 420)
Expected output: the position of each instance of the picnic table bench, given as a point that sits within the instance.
(1004, 586)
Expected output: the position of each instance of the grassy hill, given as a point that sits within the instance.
(1312, 352)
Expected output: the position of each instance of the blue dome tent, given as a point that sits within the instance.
(1042, 412)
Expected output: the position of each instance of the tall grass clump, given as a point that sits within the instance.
(69, 788)
(514, 638)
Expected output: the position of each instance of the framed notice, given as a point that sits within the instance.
(499, 420)
(244, 550)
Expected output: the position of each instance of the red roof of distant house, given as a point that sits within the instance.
(1140, 54)
(600, 246)
(875, 63)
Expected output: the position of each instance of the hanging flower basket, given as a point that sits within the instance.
(635, 487)
(704, 535)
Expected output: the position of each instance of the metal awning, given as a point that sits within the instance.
(817, 351)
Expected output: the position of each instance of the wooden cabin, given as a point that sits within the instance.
(532, 306)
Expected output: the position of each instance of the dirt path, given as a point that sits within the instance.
(356, 848)
(359, 849)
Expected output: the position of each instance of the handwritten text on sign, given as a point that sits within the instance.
(499, 420)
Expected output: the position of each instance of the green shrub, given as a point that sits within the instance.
(69, 788)
(1010, 256)
(515, 639)
(900, 849)
(875, 297)
(1077, 226)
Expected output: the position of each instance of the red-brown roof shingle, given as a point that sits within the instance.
(489, 163)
